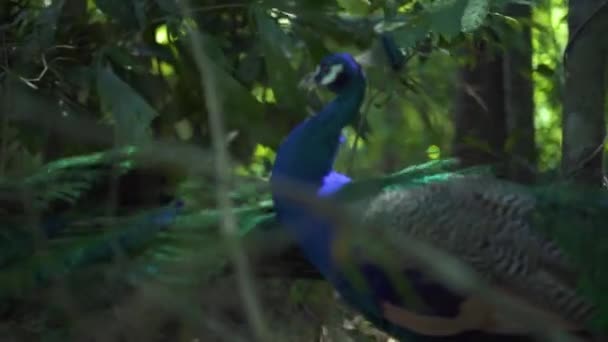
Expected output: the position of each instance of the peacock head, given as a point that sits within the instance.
(335, 71)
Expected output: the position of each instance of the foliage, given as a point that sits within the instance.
(85, 75)
(549, 40)
(585, 247)
(130, 62)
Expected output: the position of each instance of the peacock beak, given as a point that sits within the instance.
(308, 82)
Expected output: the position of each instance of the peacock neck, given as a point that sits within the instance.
(343, 109)
(305, 158)
(308, 153)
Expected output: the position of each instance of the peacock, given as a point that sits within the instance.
(158, 239)
(499, 229)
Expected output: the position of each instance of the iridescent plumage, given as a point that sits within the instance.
(485, 223)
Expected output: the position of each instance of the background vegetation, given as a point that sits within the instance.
(484, 80)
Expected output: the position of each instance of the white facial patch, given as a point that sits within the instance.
(332, 75)
(308, 82)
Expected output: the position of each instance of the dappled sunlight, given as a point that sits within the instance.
(549, 39)
(144, 197)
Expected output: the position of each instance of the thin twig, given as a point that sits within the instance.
(30, 81)
(223, 171)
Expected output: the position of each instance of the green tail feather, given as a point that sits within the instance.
(432, 171)
(59, 256)
(66, 180)
(577, 218)
(154, 249)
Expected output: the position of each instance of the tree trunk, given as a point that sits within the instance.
(519, 99)
(494, 109)
(583, 117)
(479, 113)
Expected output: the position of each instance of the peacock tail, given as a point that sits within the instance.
(64, 180)
(148, 243)
(91, 261)
(67, 180)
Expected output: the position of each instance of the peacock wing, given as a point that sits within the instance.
(486, 224)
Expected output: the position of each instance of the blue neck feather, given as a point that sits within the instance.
(306, 158)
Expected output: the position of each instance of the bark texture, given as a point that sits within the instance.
(479, 110)
(519, 98)
(584, 126)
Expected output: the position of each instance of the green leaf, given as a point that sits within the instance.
(409, 35)
(250, 68)
(122, 11)
(313, 40)
(356, 7)
(283, 78)
(168, 6)
(474, 14)
(300, 6)
(122, 57)
(43, 34)
(213, 49)
(545, 70)
(131, 114)
(240, 106)
(445, 17)
(140, 12)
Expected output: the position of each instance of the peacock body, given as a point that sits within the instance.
(490, 225)
(315, 142)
